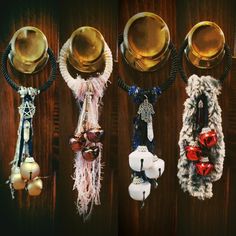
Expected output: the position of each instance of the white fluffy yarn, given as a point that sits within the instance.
(87, 175)
(199, 186)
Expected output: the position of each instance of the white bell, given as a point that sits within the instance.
(35, 187)
(139, 190)
(157, 168)
(29, 169)
(140, 159)
(16, 179)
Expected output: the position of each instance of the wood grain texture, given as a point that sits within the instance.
(102, 15)
(24, 214)
(158, 215)
(210, 217)
(168, 210)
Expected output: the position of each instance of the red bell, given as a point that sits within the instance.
(193, 153)
(90, 153)
(208, 137)
(95, 135)
(77, 143)
(204, 167)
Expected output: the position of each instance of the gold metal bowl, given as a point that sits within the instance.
(86, 49)
(205, 45)
(29, 50)
(146, 41)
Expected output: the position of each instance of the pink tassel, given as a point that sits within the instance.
(87, 182)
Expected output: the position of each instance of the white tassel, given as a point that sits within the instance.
(87, 182)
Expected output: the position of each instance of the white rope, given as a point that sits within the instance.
(87, 175)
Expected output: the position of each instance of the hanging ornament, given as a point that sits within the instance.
(25, 171)
(146, 166)
(86, 141)
(201, 141)
(139, 189)
(157, 168)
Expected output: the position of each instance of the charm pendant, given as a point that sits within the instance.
(146, 111)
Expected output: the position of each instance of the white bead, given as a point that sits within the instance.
(29, 169)
(140, 159)
(139, 191)
(156, 170)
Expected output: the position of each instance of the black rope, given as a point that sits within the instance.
(15, 86)
(228, 65)
(167, 83)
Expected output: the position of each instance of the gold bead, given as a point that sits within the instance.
(35, 187)
(16, 179)
(29, 169)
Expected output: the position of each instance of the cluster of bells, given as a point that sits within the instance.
(27, 177)
(207, 139)
(141, 160)
(86, 142)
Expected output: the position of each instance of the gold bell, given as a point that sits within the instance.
(16, 179)
(205, 45)
(86, 47)
(28, 50)
(35, 187)
(146, 41)
(29, 169)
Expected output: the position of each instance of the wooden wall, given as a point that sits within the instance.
(168, 211)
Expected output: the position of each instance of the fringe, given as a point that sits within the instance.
(199, 186)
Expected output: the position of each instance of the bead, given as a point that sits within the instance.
(35, 187)
(77, 143)
(90, 153)
(29, 169)
(95, 135)
(208, 137)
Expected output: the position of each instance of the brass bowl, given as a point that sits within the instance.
(29, 50)
(205, 45)
(86, 49)
(146, 41)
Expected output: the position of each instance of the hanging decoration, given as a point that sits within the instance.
(25, 170)
(86, 141)
(201, 141)
(146, 166)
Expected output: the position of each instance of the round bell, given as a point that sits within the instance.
(205, 45)
(193, 153)
(157, 168)
(94, 135)
(139, 190)
(28, 50)
(86, 49)
(29, 169)
(35, 187)
(90, 152)
(16, 179)
(140, 159)
(77, 143)
(204, 167)
(208, 137)
(146, 41)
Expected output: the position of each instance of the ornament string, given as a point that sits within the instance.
(146, 166)
(201, 140)
(86, 142)
(24, 170)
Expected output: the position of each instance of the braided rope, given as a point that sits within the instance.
(14, 85)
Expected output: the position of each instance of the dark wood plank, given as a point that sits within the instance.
(28, 215)
(210, 217)
(158, 215)
(102, 15)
